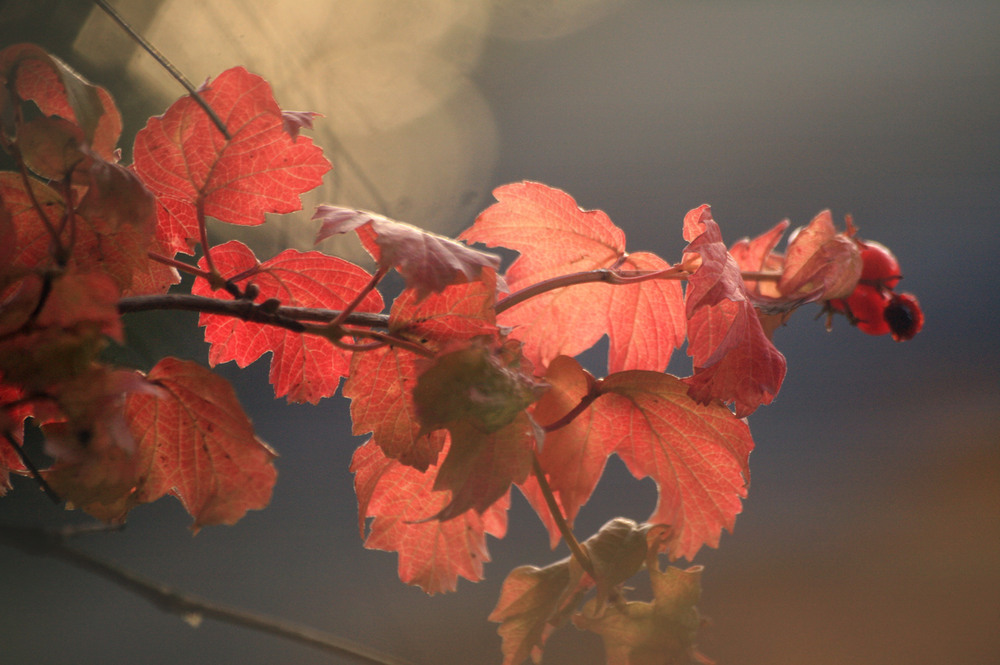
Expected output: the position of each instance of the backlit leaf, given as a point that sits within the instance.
(696, 453)
(734, 361)
(555, 237)
(183, 156)
(428, 262)
(381, 382)
(306, 368)
(195, 442)
(433, 554)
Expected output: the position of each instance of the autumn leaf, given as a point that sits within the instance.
(664, 631)
(734, 361)
(554, 237)
(535, 601)
(433, 554)
(110, 231)
(381, 381)
(194, 441)
(479, 395)
(428, 262)
(304, 368)
(183, 157)
(696, 453)
(32, 74)
(821, 263)
(574, 455)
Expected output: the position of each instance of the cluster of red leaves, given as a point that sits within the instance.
(466, 388)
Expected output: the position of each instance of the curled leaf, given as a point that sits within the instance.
(428, 262)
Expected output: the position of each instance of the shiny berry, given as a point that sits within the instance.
(866, 307)
(878, 265)
(903, 316)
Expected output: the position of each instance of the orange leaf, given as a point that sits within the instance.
(644, 321)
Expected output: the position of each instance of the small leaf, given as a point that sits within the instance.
(428, 262)
(820, 262)
(734, 361)
(535, 601)
(663, 631)
(57, 90)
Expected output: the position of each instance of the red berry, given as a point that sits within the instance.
(878, 265)
(865, 307)
(903, 316)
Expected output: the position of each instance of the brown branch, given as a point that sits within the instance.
(191, 608)
(166, 64)
(574, 545)
(287, 317)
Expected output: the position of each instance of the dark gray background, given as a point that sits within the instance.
(871, 533)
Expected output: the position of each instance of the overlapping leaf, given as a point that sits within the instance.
(433, 554)
(184, 158)
(734, 361)
(305, 368)
(381, 382)
(555, 237)
(195, 442)
(535, 601)
(428, 262)
(574, 455)
(57, 90)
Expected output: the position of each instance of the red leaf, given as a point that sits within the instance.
(574, 455)
(196, 442)
(555, 237)
(262, 169)
(381, 382)
(821, 263)
(697, 454)
(306, 368)
(57, 90)
(432, 554)
(758, 254)
(734, 361)
(428, 262)
(110, 231)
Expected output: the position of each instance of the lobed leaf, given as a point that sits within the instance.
(380, 384)
(304, 368)
(183, 158)
(575, 454)
(195, 442)
(32, 74)
(433, 554)
(698, 454)
(644, 321)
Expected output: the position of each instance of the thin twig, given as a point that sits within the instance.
(188, 607)
(246, 310)
(166, 64)
(32, 469)
(574, 545)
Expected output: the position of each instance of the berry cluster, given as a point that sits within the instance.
(874, 307)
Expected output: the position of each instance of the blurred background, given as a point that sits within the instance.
(872, 529)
